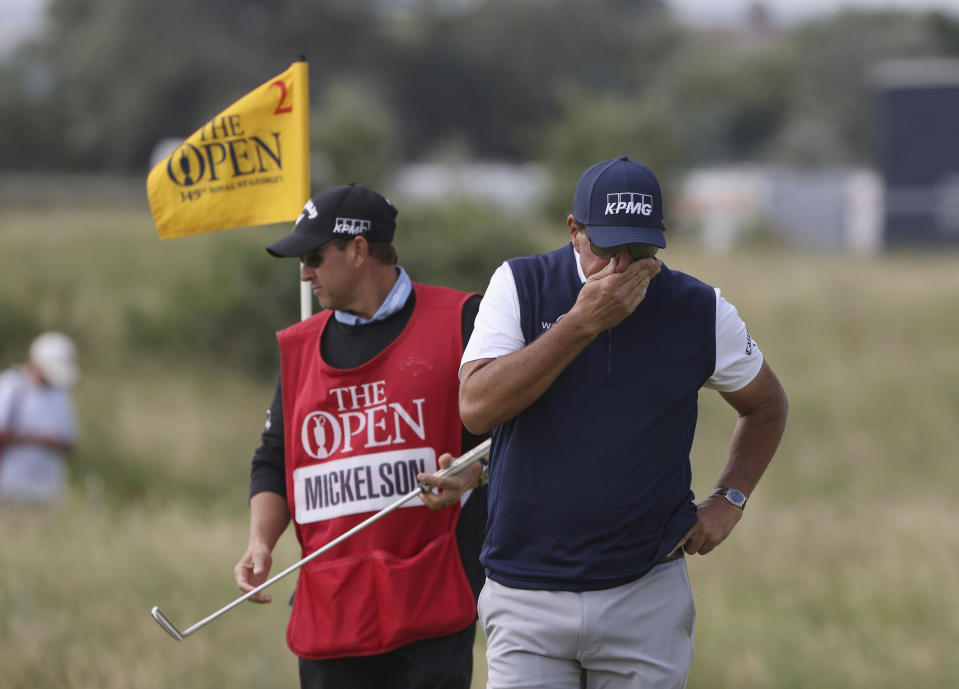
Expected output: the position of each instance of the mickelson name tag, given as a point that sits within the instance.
(365, 483)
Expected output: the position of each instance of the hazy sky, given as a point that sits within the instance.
(19, 18)
(791, 11)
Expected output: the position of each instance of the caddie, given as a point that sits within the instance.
(365, 407)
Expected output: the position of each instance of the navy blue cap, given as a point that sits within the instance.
(620, 202)
(344, 211)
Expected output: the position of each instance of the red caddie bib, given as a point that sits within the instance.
(355, 440)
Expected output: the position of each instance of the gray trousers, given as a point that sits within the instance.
(636, 636)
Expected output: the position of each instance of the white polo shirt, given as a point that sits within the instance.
(32, 471)
(497, 332)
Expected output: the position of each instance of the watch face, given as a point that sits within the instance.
(736, 497)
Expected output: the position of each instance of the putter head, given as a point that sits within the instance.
(165, 622)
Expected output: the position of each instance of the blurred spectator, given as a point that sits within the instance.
(37, 421)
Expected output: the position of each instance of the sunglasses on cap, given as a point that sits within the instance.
(636, 250)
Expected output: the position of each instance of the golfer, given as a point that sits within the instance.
(586, 363)
(366, 406)
(38, 427)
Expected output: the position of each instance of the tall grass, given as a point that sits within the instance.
(841, 573)
(79, 583)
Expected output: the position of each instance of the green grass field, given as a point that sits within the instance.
(841, 574)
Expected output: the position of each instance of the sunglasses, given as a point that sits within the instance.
(636, 250)
(312, 259)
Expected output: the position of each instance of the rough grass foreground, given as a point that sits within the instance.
(813, 594)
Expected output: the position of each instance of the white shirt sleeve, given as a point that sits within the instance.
(497, 332)
(738, 358)
(497, 329)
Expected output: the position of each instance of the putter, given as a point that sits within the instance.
(463, 461)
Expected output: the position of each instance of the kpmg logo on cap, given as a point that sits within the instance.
(351, 226)
(629, 202)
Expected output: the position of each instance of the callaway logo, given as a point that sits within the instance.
(351, 226)
(309, 210)
(629, 202)
(416, 365)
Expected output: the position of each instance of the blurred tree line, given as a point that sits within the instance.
(564, 82)
(561, 82)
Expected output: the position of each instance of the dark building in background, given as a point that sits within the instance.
(918, 132)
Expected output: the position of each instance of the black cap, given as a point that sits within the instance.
(344, 211)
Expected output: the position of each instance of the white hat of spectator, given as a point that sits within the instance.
(56, 357)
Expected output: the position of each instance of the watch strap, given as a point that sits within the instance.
(733, 496)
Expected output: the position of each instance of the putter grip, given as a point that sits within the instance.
(461, 462)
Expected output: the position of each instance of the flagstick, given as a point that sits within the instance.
(306, 296)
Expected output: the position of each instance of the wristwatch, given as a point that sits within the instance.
(733, 496)
(484, 475)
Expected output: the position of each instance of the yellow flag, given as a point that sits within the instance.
(249, 165)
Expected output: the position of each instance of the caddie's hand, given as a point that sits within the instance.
(252, 570)
(716, 518)
(613, 293)
(447, 490)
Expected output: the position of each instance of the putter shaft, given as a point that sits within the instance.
(457, 466)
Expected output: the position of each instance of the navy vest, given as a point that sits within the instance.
(590, 485)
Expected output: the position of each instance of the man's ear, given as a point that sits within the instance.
(574, 227)
(360, 249)
(575, 231)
